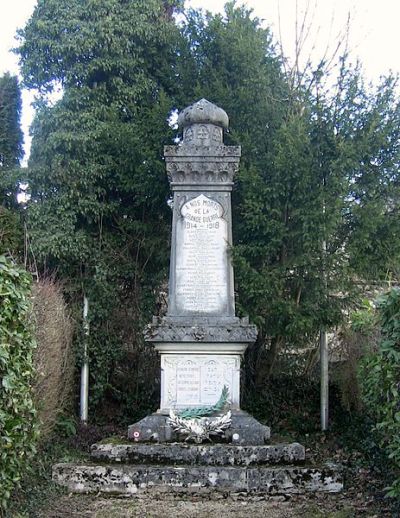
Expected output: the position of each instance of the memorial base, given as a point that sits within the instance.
(200, 357)
(244, 430)
(180, 469)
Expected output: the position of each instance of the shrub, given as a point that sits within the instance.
(54, 355)
(380, 382)
(356, 340)
(18, 429)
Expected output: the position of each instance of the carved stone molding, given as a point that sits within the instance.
(208, 152)
(201, 173)
(169, 331)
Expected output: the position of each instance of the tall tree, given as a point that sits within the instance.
(98, 211)
(316, 167)
(276, 235)
(310, 176)
(10, 154)
(374, 193)
(10, 129)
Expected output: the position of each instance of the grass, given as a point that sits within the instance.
(37, 488)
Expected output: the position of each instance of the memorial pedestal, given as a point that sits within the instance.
(190, 378)
(199, 357)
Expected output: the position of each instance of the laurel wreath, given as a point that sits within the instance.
(192, 413)
(200, 429)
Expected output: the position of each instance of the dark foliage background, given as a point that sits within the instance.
(315, 202)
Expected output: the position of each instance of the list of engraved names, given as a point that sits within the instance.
(201, 264)
(200, 382)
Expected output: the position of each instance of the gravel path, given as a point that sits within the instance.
(320, 506)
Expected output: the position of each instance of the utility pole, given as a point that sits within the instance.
(323, 339)
(84, 400)
(324, 361)
(324, 352)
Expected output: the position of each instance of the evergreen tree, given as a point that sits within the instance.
(316, 199)
(315, 170)
(98, 211)
(277, 205)
(10, 130)
(10, 154)
(370, 124)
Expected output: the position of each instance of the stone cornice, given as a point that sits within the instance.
(201, 152)
(168, 330)
(201, 173)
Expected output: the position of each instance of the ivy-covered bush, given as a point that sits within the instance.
(18, 429)
(380, 382)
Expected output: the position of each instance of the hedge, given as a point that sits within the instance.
(18, 427)
(380, 382)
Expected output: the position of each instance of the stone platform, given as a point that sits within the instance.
(199, 454)
(130, 469)
(136, 479)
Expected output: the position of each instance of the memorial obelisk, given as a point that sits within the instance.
(200, 340)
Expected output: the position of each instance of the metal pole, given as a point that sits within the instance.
(84, 401)
(324, 360)
(324, 353)
(323, 340)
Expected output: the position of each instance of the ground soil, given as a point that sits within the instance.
(318, 506)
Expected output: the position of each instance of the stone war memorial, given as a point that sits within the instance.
(199, 440)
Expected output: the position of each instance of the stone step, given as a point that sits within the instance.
(127, 479)
(199, 454)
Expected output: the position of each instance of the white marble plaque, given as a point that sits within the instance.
(196, 380)
(201, 270)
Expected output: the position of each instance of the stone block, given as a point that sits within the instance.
(132, 480)
(245, 430)
(199, 454)
(151, 428)
(190, 332)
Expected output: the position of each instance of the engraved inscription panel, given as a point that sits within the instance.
(196, 380)
(201, 258)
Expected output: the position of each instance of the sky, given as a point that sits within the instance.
(374, 36)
